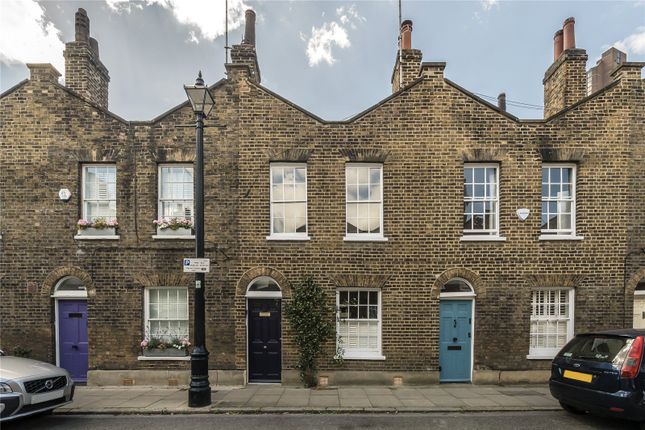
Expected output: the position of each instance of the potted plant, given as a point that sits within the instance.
(172, 226)
(162, 346)
(98, 227)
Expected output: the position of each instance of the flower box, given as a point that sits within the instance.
(91, 231)
(176, 232)
(166, 352)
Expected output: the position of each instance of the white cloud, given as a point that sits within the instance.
(207, 16)
(331, 35)
(488, 4)
(634, 43)
(27, 37)
(319, 45)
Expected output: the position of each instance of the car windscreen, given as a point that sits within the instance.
(601, 348)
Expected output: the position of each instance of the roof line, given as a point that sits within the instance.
(344, 121)
(181, 105)
(482, 101)
(94, 105)
(583, 100)
(15, 87)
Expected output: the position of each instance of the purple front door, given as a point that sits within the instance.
(72, 337)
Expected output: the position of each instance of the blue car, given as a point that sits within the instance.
(602, 373)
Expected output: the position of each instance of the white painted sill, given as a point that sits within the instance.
(364, 357)
(106, 237)
(540, 357)
(365, 238)
(294, 238)
(482, 238)
(559, 237)
(163, 237)
(144, 358)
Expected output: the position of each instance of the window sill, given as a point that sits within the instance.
(294, 238)
(143, 358)
(482, 238)
(110, 237)
(540, 356)
(559, 237)
(364, 357)
(366, 238)
(173, 237)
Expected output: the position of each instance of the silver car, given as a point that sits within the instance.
(30, 387)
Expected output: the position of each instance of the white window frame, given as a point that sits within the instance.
(361, 354)
(146, 308)
(84, 168)
(558, 234)
(288, 236)
(367, 237)
(549, 353)
(185, 233)
(486, 234)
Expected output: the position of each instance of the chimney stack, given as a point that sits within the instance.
(408, 61)
(557, 45)
(501, 101)
(249, 27)
(565, 81)
(244, 54)
(84, 72)
(569, 39)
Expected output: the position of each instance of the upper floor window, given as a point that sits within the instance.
(364, 201)
(288, 201)
(481, 200)
(558, 199)
(175, 198)
(99, 193)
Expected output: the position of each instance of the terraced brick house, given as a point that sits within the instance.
(456, 241)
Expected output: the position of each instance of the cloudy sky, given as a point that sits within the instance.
(334, 58)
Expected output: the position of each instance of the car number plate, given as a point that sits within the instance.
(45, 397)
(578, 376)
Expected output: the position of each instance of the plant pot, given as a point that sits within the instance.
(168, 352)
(178, 232)
(91, 231)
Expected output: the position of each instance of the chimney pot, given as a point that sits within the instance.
(249, 28)
(94, 46)
(501, 101)
(82, 26)
(406, 34)
(557, 45)
(569, 38)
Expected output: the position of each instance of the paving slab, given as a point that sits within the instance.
(324, 401)
(537, 400)
(448, 401)
(388, 401)
(479, 402)
(504, 400)
(407, 393)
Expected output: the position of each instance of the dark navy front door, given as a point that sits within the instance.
(265, 343)
(455, 333)
(72, 337)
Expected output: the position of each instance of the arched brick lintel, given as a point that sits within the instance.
(256, 272)
(633, 282)
(48, 285)
(459, 272)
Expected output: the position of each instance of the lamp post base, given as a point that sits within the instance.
(199, 393)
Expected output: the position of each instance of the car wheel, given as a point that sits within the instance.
(574, 410)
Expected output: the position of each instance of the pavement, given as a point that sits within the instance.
(277, 399)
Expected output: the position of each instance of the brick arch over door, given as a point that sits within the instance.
(459, 272)
(633, 282)
(50, 282)
(256, 272)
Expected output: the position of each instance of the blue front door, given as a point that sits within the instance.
(455, 334)
(72, 337)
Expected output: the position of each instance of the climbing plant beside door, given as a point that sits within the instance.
(311, 318)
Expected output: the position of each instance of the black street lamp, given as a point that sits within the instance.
(199, 393)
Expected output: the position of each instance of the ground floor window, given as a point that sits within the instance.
(551, 321)
(166, 313)
(358, 326)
